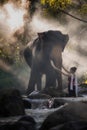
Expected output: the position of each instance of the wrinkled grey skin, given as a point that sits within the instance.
(48, 46)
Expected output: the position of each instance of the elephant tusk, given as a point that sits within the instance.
(52, 63)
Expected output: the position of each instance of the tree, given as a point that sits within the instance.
(54, 6)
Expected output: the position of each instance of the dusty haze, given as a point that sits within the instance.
(14, 18)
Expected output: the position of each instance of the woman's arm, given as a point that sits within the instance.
(65, 69)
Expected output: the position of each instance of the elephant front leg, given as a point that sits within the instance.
(50, 78)
(35, 81)
(38, 81)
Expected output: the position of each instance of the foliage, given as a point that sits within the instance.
(83, 9)
(52, 6)
(83, 79)
(55, 5)
(10, 53)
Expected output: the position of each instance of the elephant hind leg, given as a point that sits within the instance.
(50, 82)
(31, 85)
(59, 80)
(38, 81)
(35, 79)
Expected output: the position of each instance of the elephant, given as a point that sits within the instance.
(48, 46)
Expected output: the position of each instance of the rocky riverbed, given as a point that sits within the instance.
(43, 113)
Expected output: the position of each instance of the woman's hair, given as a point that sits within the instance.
(73, 69)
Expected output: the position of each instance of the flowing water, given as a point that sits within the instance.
(40, 114)
(39, 111)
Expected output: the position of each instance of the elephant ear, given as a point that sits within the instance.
(57, 37)
(65, 41)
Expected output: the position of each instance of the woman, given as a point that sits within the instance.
(72, 82)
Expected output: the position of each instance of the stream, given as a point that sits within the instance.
(39, 112)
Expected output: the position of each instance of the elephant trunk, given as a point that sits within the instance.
(59, 75)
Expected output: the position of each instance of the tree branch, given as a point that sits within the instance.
(72, 16)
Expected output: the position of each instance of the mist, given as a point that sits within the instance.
(16, 20)
(13, 17)
(75, 53)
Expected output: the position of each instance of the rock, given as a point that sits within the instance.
(53, 92)
(76, 111)
(27, 119)
(58, 103)
(24, 123)
(8, 79)
(27, 103)
(72, 125)
(11, 103)
(38, 95)
(28, 122)
(83, 91)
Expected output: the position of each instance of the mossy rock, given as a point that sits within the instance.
(11, 103)
(9, 80)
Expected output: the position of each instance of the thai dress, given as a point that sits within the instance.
(72, 85)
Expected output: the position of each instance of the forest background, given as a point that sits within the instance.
(20, 20)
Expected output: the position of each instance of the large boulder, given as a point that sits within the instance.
(11, 103)
(27, 103)
(76, 111)
(72, 125)
(24, 123)
(10, 80)
(58, 102)
(53, 92)
(38, 95)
